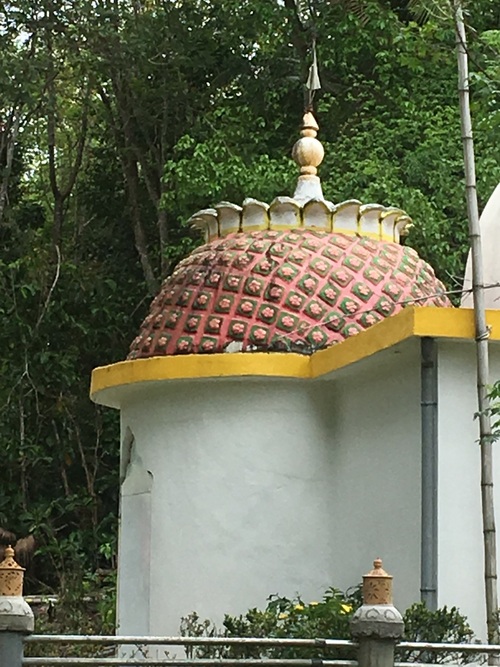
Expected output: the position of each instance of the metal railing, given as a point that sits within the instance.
(416, 653)
(143, 645)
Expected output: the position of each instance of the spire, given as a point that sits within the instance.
(308, 153)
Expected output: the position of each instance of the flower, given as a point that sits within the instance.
(313, 604)
(299, 607)
(345, 608)
(242, 260)
(309, 284)
(315, 309)
(283, 615)
(267, 312)
(254, 286)
(214, 323)
(246, 306)
(259, 334)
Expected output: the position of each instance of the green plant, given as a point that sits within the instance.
(85, 606)
(282, 618)
(328, 618)
(445, 625)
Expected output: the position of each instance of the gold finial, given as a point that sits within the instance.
(308, 152)
(11, 575)
(377, 585)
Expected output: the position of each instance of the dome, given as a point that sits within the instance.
(298, 275)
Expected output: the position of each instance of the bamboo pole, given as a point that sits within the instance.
(482, 334)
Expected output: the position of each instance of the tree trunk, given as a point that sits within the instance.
(10, 145)
(132, 182)
(58, 218)
(482, 335)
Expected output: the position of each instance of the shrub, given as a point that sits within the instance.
(328, 618)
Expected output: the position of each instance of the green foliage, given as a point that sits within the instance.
(327, 619)
(282, 618)
(445, 625)
(177, 105)
(87, 606)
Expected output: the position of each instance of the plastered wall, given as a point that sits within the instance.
(460, 542)
(263, 486)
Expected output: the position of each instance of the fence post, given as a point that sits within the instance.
(377, 625)
(16, 617)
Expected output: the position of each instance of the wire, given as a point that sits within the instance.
(404, 301)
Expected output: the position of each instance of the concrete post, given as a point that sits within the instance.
(16, 617)
(377, 625)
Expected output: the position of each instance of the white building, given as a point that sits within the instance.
(300, 399)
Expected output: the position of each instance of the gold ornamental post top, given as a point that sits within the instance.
(308, 152)
(11, 575)
(377, 585)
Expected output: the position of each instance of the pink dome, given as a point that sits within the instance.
(295, 290)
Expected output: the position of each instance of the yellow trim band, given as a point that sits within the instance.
(451, 323)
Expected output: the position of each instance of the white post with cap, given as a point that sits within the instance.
(16, 617)
(377, 625)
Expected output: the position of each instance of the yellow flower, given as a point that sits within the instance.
(299, 607)
(346, 608)
(313, 604)
(283, 615)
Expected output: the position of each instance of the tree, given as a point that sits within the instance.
(144, 113)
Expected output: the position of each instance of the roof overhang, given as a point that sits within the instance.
(415, 322)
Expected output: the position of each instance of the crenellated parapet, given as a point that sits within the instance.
(351, 217)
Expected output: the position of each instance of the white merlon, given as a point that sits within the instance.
(348, 217)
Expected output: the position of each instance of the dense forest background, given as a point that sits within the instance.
(118, 120)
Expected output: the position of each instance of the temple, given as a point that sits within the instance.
(300, 397)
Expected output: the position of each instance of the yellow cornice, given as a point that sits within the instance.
(451, 323)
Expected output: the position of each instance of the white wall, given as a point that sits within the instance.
(460, 572)
(267, 486)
